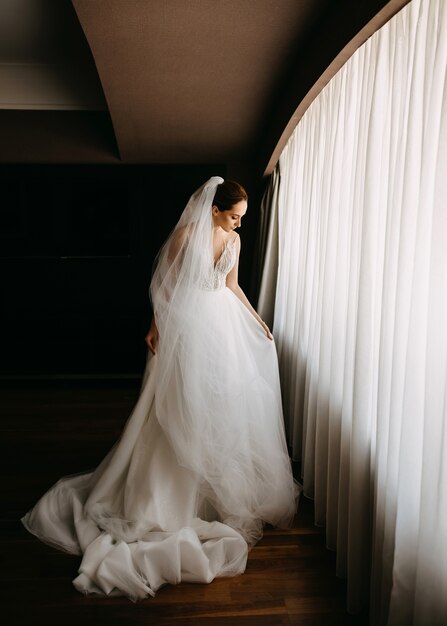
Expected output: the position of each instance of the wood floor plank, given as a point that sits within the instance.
(58, 430)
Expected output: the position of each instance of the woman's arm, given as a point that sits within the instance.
(232, 283)
(174, 260)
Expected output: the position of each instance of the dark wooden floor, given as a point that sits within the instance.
(51, 430)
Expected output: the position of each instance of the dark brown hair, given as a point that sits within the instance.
(228, 194)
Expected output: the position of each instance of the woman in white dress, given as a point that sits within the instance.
(202, 463)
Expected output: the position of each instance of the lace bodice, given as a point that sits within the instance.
(222, 267)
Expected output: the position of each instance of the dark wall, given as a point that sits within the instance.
(77, 244)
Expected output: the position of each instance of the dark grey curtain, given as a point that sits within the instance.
(267, 250)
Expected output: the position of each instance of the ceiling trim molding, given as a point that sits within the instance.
(48, 86)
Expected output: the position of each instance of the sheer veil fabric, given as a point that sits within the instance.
(202, 462)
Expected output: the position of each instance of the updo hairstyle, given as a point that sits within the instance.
(228, 194)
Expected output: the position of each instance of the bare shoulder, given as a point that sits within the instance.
(235, 239)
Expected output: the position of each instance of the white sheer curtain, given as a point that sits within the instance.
(361, 315)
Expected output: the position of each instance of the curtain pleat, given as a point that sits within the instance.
(361, 315)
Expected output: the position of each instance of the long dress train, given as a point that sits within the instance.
(181, 496)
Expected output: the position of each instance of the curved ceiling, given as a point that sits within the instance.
(189, 81)
(165, 81)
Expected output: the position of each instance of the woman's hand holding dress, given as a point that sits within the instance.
(152, 337)
(267, 329)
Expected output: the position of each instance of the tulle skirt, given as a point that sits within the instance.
(200, 467)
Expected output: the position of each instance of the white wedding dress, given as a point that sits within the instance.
(183, 502)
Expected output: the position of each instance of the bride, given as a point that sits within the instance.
(202, 462)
